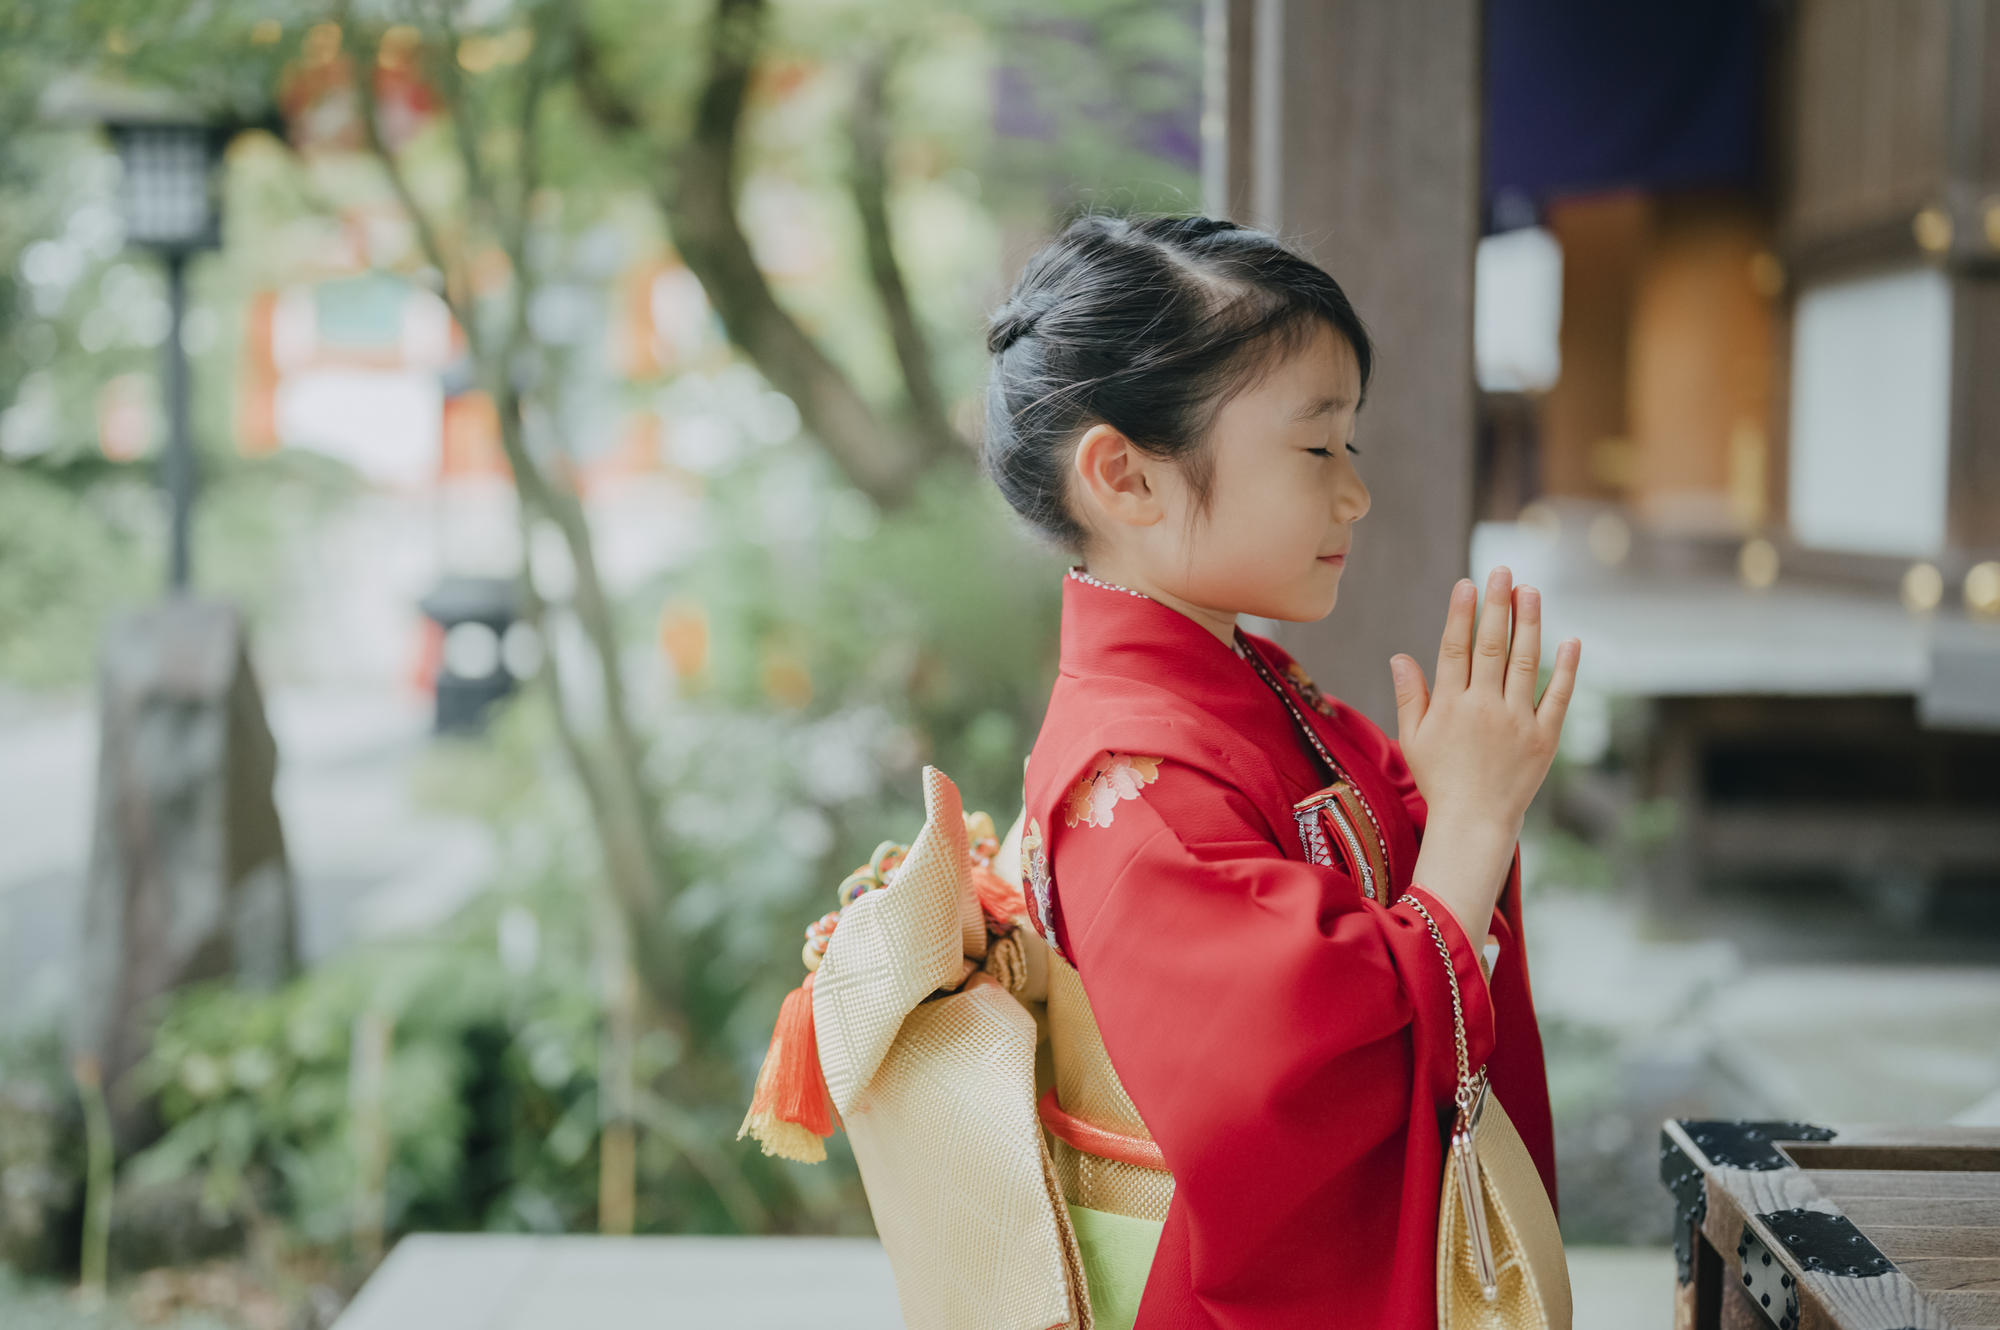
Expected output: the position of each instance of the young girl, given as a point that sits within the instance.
(1176, 399)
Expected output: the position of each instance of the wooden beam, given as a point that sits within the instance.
(1842, 839)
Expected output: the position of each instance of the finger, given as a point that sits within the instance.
(1412, 698)
(1525, 663)
(1455, 652)
(1562, 685)
(1489, 648)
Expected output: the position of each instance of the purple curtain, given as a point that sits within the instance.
(1584, 96)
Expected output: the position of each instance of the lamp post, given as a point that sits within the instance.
(169, 196)
(189, 880)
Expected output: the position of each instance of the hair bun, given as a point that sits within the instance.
(1012, 322)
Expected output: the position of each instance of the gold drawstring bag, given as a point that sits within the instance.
(1500, 1263)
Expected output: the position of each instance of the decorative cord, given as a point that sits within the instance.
(1334, 771)
(1467, 1089)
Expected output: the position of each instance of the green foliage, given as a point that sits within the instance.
(490, 1098)
(41, 1155)
(62, 566)
(1100, 94)
(79, 542)
(488, 1104)
(1650, 823)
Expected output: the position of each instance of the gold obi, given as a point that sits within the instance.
(1006, 1167)
(1087, 1089)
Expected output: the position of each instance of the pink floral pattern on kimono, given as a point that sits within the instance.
(1116, 776)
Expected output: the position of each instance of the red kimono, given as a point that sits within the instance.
(1287, 1041)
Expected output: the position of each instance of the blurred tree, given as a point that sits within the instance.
(696, 174)
(497, 129)
(849, 634)
(1140, 83)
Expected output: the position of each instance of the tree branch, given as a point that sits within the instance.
(456, 293)
(641, 875)
(869, 182)
(457, 95)
(635, 858)
(656, 949)
(699, 200)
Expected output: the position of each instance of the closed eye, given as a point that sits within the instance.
(1352, 451)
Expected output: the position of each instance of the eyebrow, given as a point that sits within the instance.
(1323, 406)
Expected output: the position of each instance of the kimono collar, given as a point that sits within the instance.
(1111, 634)
(1109, 630)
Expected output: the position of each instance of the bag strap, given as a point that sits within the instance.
(1462, 1159)
(1468, 1085)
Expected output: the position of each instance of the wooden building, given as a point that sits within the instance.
(1765, 485)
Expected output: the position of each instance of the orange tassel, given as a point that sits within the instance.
(1001, 901)
(791, 1111)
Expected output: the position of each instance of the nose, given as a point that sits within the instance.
(1351, 499)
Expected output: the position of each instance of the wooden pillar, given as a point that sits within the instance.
(1363, 149)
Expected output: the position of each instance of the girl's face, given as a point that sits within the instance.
(1283, 500)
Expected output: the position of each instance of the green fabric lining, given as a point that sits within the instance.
(1117, 1255)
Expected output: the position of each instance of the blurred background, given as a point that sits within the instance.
(489, 535)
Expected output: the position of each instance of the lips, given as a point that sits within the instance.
(1335, 559)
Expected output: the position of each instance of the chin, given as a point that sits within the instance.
(1318, 601)
(1308, 607)
(1325, 608)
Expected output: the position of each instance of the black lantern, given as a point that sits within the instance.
(482, 657)
(170, 198)
(170, 187)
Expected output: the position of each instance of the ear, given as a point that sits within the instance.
(1117, 482)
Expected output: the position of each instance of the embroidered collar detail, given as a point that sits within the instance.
(1081, 576)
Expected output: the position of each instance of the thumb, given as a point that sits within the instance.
(1413, 697)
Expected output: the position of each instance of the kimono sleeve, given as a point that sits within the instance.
(1288, 1043)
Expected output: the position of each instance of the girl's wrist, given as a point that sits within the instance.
(1472, 828)
(1464, 863)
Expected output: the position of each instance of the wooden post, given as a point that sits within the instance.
(368, 1119)
(617, 1145)
(1363, 149)
(98, 1181)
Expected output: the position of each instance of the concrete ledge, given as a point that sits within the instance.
(497, 1281)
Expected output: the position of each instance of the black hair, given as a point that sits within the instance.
(1148, 325)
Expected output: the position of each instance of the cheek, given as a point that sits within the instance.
(1265, 518)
